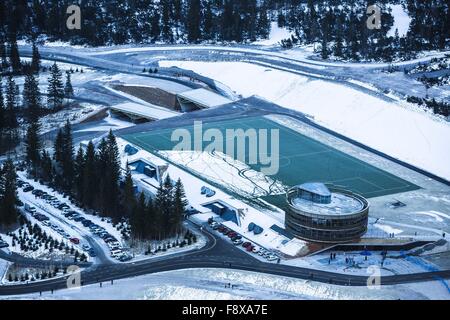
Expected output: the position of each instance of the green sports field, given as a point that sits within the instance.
(302, 159)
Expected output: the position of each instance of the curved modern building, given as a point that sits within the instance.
(321, 213)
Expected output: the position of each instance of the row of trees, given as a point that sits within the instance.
(119, 22)
(159, 218)
(93, 177)
(30, 107)
(8, 194)
(341, 27)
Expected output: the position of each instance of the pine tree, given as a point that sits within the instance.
(68, 89)
(164, 204)
(167, 34)
(58, 146)
(36, 59)
(79, 166)
(11, 104)
(3, 57)
(90, 182)
(32, 97)
(46, 167)
(55, 90)
(151, 221)
(8, 194)
(208, 21)
(193, 20)
(324, 50)
(263, 22)
(109, 164)
(67, 161)
(33, 146)
(138, 218)
(14, 57)
(128, 193)
(63, 155)
(179, 205)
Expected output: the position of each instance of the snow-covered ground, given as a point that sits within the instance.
(268, 239)
(4, 265)
(221, 168)
(401, 20)
(213, 284)
(395, 128)
(276, 35)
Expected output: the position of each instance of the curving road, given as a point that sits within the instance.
(218, 253)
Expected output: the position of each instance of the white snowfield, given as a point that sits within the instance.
(210, 284)
(394, 128)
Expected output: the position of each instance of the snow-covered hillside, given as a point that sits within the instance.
(391, 127)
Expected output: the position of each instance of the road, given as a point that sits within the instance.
(217, 253)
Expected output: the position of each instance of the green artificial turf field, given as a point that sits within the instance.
(302, 159)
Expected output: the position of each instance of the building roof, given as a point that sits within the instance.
(340, 204)
(204, 98)
(316, 188)
(142, 111)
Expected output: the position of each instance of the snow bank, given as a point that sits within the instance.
(276, 35)
(391, 127)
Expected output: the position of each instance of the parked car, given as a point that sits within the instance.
(116, 253)
(28, 188)
(256, 249)
(20, 183)
(237, 242)
(246, 244)
(74, 240)
(3, 244)
(272, 257)
(87, 223)
(125, 257)
(30, 209)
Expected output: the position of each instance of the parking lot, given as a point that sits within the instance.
(74, 217)
(239, 241)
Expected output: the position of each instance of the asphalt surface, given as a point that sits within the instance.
(217, 253)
